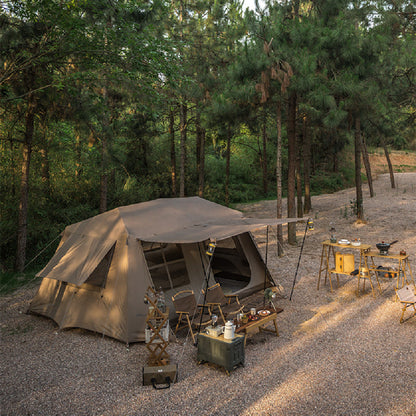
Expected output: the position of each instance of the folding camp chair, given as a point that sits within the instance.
(225, 304)
(407, 298)
(188, 310)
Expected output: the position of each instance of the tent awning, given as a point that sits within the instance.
(76, 259)
(218, 230)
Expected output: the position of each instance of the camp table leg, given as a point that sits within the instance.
(407, 263)
(324, 260)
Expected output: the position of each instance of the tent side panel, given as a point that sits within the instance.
(138, 280)
(98, 309)
(257, 265)
(197, 263)
(48, 298)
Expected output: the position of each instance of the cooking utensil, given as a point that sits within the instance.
(384, 247)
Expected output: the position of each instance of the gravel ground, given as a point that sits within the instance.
(337, 354)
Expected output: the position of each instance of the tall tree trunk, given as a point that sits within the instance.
(386, 153)
(182, 127)
(103, 179)
(291, 180)
(358, 184)
(264, 156)
(77, 153)
(227, 167)
(24, 185)
(200, 154)
(105, 133)
(44, 153)
(307, 166)
(367, 166)
(299, 177)
(172, 151)
(279, 208)
(201, 170)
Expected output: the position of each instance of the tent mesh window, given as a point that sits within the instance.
(98, 278)
(166, 264)
(230, 265)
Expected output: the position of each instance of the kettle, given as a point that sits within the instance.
(229, 329)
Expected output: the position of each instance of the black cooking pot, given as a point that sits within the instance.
(384, 247)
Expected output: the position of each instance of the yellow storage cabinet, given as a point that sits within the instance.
(344, 263)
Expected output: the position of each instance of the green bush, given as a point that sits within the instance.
(324, 182)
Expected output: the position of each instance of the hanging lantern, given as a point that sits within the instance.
(332, 236)
(211, 248)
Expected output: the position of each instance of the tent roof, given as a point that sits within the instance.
(174, 220)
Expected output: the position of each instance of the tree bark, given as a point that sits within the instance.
(291, 180)
(307, 167)
(228, 167)
(279, 208)
(105, 134)
(182, 127)
(172, 151)
(358, 184)
(78, 155)
(367, 166)
(386, 153)
(264, 156)
(44, 153)
(103, 179)
(24, 185)
(200, 154)
(299, 177)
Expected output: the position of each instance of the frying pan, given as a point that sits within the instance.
(384, 247)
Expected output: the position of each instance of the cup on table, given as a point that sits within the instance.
(253, 311)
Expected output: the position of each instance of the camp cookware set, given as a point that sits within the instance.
(384, 247)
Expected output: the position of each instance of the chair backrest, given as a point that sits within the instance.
(406, 294)
(215, 295)
(184, 301)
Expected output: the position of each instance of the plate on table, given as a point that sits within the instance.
(263, 313)
(344, 241)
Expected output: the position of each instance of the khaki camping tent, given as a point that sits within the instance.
(99, 274)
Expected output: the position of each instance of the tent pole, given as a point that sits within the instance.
(211, 255)
(300, 255)
(265, 265)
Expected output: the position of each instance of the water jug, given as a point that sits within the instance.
(229, 329)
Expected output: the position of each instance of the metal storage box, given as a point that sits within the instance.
(162, 374)
(223, 352)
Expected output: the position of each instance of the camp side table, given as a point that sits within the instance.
(227, 353)
(403, 265)
(259, 325)
(328, 252)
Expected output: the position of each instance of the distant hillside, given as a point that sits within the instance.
(403, 161)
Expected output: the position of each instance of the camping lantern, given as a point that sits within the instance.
(332, 236)
(210, 248)
(310, 224)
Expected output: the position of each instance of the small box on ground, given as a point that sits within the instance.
(161, 376)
